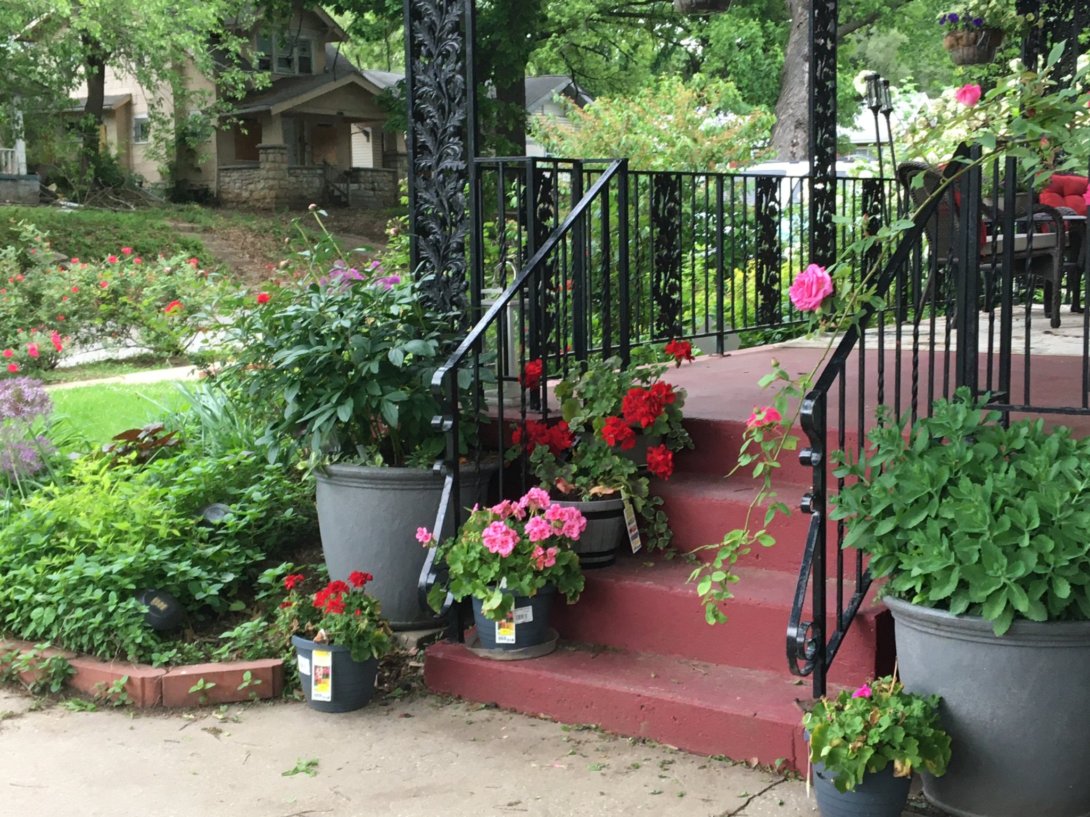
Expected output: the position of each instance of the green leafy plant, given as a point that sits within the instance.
(200, 689)
(877, 725)
(114, 693)
(604, 409)
(511, 549)
(964, 514)
(340, 613)
(348, 355)
(308, 766)
(46, 673)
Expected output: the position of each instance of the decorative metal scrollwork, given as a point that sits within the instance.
(823, 21)
(769, 259)
(438, 105)
(666, 274)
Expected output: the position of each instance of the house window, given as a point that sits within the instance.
(264, 50)
(293, 56)
(140, 129)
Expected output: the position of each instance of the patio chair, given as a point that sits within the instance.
(1038, 254)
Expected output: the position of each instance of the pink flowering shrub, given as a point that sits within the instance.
(514, 548)
(48, 303)
(810, 289)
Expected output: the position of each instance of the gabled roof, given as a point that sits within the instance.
(542, 89)
(110, 102)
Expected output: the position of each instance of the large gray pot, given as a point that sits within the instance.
(368, 517)
(1017, 708)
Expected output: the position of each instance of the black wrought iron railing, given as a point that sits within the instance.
(958, 303)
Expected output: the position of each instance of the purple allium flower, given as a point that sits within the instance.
(23, 458)
(23, 399)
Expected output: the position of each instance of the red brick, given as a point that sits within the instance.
(227, 677)
(94, 677)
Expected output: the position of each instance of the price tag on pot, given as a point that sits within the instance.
(321, 677)
(524, 615)
(505, 630)
(304, 665)
(633, 527)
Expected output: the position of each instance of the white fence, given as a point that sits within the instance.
(13, 161)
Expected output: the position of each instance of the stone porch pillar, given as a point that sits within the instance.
(273, 177)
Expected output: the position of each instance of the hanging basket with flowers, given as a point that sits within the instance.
(974, 33)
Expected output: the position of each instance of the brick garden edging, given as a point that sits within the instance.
(149, 686)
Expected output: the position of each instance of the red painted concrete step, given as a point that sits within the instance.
(648, 606)
(703, 708)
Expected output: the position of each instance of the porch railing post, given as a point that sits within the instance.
(967, 280)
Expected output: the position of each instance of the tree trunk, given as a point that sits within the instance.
(790, 134)
(95, 72)
(512, 124)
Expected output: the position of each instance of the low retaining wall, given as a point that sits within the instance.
(19, 189)
(373, 188)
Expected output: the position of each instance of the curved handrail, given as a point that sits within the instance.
(808, 649)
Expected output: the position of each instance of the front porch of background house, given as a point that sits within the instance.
(293, 145)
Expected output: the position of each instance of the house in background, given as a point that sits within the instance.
(285, 145)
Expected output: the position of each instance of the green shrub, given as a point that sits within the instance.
(74, 556)
(87, 234)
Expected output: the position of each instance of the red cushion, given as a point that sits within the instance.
(1066, 191)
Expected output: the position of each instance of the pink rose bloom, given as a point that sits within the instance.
(538, 529)
(968, 95)
(812, 286)
(763, 417)
(499, 538)
(32, 349)
(423, 536)
(536, 499)
(863, 692)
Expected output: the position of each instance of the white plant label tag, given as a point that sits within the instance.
(524, 615)
(304, 665)
(321, 679)
(633, 527)
(505, 630)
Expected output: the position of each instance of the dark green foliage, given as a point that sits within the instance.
(971, 517)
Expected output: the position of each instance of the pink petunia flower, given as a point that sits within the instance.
(863, 692)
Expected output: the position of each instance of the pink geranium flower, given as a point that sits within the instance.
(538, 529)
(968, 95)
(863, 692)
(536, 499)
(423, 536)
(499, 538)
(810, 289)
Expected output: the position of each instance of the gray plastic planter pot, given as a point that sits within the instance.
(532, 615)
(351, 683)
(879, 795)
(368, 518)
(1017, 708)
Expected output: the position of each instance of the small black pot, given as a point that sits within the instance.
(879, 795)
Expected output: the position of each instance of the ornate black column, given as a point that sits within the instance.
(1061, 21)
(822, 79)
(440, 91)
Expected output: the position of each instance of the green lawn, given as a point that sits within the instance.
(97, 413)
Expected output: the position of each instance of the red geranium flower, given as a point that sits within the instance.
(358, 579)
(641, 406)
(531, 373)
(335, 605)
(617, 432)
(262, 297)
(660, 461)
(680, 350)
(292, 581)
(173, 306)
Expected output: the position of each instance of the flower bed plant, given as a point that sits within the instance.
(123, 299)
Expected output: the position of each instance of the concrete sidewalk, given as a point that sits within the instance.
(421, 756)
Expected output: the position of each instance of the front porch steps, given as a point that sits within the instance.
(637, 657)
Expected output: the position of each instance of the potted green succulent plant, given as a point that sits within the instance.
(512, 559)
(865, 745)
(339, 635)
(618, 426)
(981, 531)
(346, 358)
